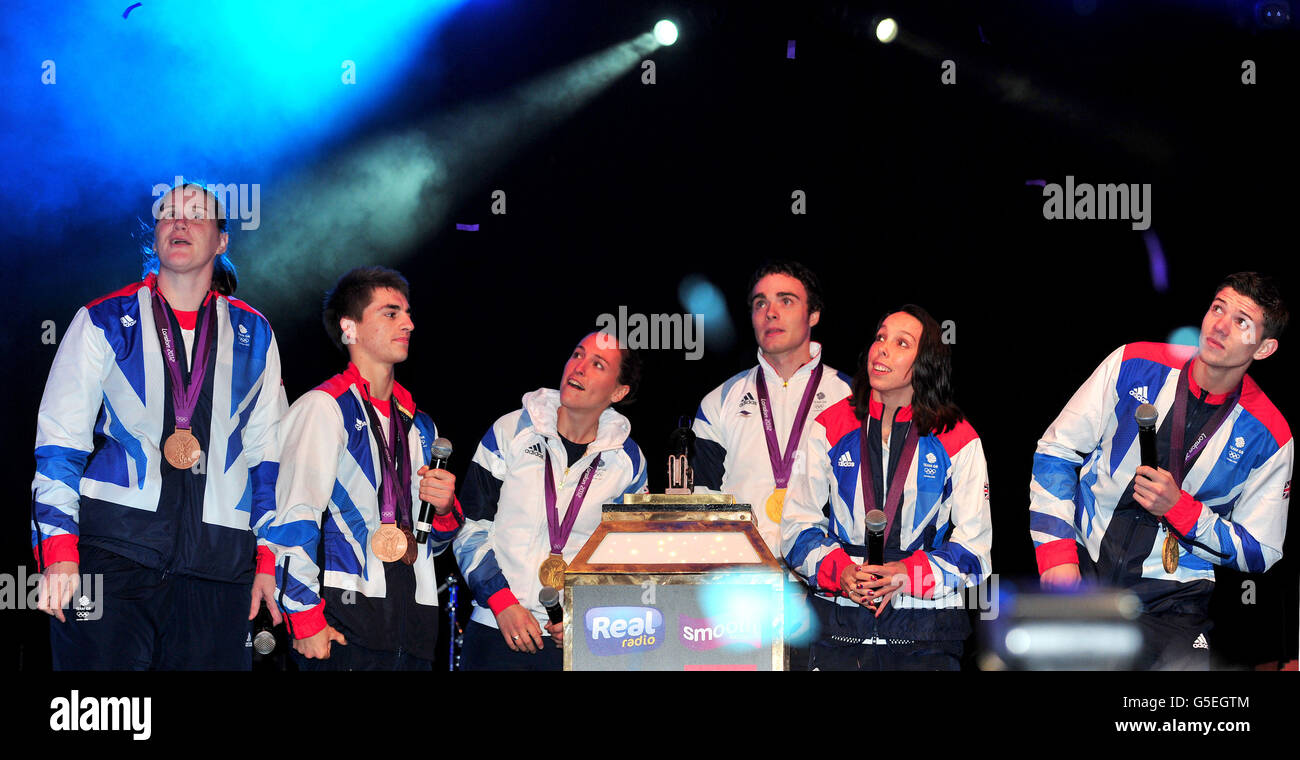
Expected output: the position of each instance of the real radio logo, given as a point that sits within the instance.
(622, 630)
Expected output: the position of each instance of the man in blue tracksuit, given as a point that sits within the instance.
(156, 459)
(1219, 496)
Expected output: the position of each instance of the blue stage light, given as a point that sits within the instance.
(1185, 336)
(699, 296)
(230, 91)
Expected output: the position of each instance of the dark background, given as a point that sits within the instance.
(916, 192)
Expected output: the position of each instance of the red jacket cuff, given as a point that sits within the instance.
(60, 548)
(450, 521)
(501, 599)
(265, 560)
(1063, 551)
(308, 623)
(1184, 515)
(828, 572)
(920, 577)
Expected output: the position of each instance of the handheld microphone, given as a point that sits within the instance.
(263, 637)
(441, 451)
(876, 537)
(1146, 416)
(550, 599)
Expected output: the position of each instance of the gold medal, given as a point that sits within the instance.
(182, 449)
(412, 548)
(776, 505)
(1171, 552)
(551, 572)
(388, 543)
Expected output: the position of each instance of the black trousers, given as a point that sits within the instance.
(919, 655)
(841, 630)
(144, 620)
(484, 649)
(357, 657)
(1174, 642)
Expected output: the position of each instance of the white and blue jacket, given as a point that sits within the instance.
(730, 454)
(330, 461)
(99, 465)
(1234, 498)
(942, 532)
(505, 538)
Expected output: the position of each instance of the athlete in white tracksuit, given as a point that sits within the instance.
(506, 538)
(731, 454)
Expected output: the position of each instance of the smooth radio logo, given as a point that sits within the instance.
(620, 630)
(701, 635)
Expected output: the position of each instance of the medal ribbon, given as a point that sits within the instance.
(1178, 466)
(559, 533)
(184, 397)
(782, 463)
(896, 485)
(395, 470)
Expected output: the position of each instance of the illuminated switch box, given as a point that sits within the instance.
(674, 582)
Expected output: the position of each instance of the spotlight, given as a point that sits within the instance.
(665, 32)
(887, 30)
(1272, 14)
(1261, 15)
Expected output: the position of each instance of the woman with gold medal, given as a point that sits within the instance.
(897, 460)
(532, 498)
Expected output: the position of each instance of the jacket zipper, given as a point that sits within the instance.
(1123, 557)
(288, 623)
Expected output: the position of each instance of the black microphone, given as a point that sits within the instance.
(1146, 416)
(550, 599)
(876, 537)
(441, 451)
(263, 637)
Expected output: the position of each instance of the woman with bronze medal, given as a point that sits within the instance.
(138, 399)
(907, 481)
(532, 498)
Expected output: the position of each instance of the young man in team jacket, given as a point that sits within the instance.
(1218, 497)
(749, 429)
(360, 592)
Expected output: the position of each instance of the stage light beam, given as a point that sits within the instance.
(373, 203)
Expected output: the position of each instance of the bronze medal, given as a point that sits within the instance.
(388, 543)
(1170, 552)
(776, 505)
(412, 548)
(182, 449)
(551, 572)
